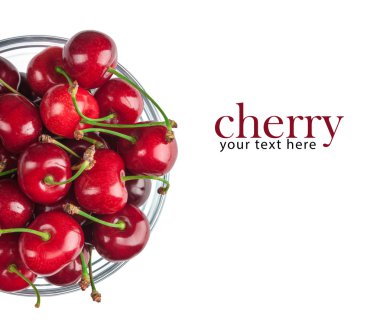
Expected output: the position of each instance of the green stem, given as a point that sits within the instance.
(74, 210)
(107, 131)
(48, 139)
(8, 172)
(95, 295)
(126, 126)
(73, 91)
(161, 190)
(44, 235)
(117, 74)
(98, 144)
(11, 89)
(49, 179)
(13, 269)
(85, 281)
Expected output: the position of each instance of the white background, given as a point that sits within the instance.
(251, 242)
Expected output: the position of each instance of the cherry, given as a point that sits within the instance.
(87, 57)
(7, 160)
(58, 111)
(70, 274)
(62, 242)
(15, 208)
(122, 244)
(8, 76)
(138, 191)
(152, 154)
(38, 162)
(101, 189)
(20, 123)
(25, 89)
(9, 255)
(120, 98)
(41, 72)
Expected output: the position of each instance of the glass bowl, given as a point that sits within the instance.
(20, 50)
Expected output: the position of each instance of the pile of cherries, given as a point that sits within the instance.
(75, 164)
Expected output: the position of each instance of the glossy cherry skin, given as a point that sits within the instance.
(9, 254)
(9, 74)
(101, 190)
(87, 57)
(70, 274)
(138, 191)
(120, 245)
(58, 207)
(9, 159)
(66, 241)
(25, 89)
(20, 123)
(118, 97)
(39, 161)
(151, 154)
(58, 112)
(41, 72)
(15, 208)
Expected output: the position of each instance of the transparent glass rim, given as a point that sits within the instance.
(150, 112)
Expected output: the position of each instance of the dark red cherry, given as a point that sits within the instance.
(15, 208)
(9, 74)
(101, 189)
(58, 207)
(120, 245)
(138, 191)
(41, 72)
(120, 98)
(20, 123)
(8, 161)
(58, 112)
(87, 57)
(151, 154)
(70, 274)
(9, 255)
(47, 257)
(25, 89)
(39, 161)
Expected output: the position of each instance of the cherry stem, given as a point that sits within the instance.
(74, 210)
(79, 134)
(10, 88)
(49, 179)
(117, 74)
(161, 190)
(44, 235)
(8, 172)
(85, 281)
(98, 144)
(73, 91)
(95, 295)
(125, 126)
(48, 139)
(13, 269)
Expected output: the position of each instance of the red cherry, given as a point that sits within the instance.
(101, 189)
(9, 74)
(15, 208)
(151, 154)
(9, 254)
(70, 274)
(20, 123)
(138, 191)
(58, 112)
(87, 57)
(41, 72)
(120, 98)
(35, 164)
(120, 245)
(47, 257)
(25, 89)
